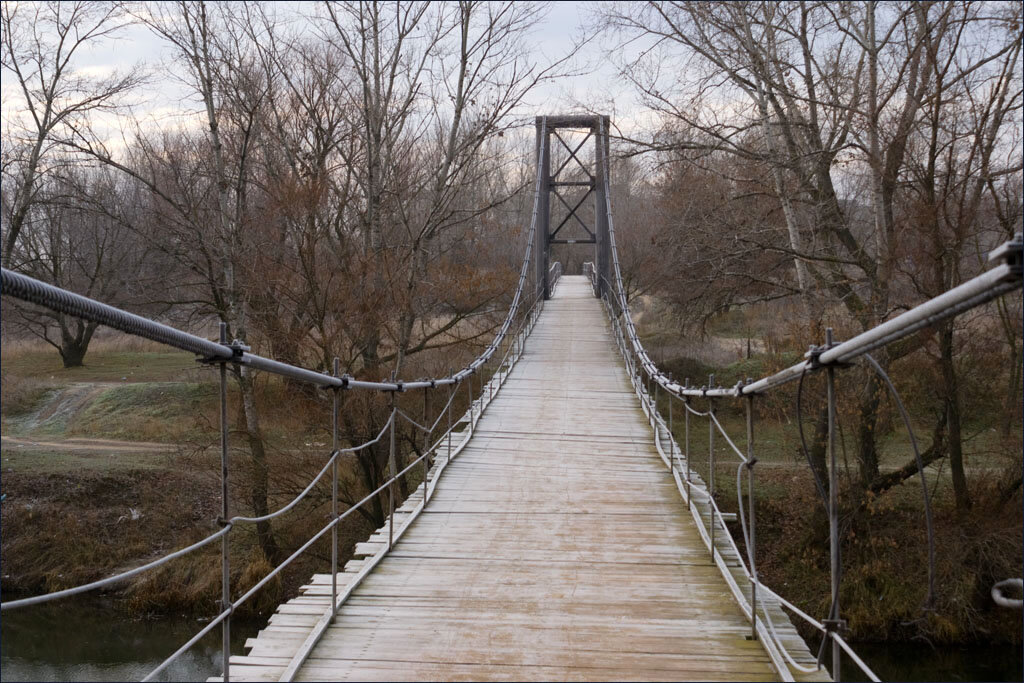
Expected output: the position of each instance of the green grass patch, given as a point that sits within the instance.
(153, 411)
(27, 459)
(102, 366)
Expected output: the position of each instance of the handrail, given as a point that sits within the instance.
(1002, 278)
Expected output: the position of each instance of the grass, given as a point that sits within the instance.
(103, 363)
(149, 411)
(42, 460)
(21, 396)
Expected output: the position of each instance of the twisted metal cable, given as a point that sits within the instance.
(60, 300)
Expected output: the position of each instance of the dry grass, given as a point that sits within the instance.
(21, 395)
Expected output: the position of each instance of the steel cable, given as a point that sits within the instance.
(60, 300)
(924, 482)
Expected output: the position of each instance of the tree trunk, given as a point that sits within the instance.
(258, 489)
(1012, 405)
(951, 406)
(934, 452)
(819, 449)
(867, 430)
(74, 343)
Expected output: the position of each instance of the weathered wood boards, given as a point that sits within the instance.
(556, 546)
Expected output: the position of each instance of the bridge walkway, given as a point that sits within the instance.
(555, 546)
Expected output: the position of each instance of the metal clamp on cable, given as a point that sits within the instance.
(238, 349)
(813, 357)
(344, 381)
(1012, 253)
(837, 626)
(221, 522)
(749, 464)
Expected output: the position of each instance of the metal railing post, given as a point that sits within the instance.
(334, 495)
(451, 390)
(833, 507)
(671, 440)
(686, 444)
(225, 551)
(751, 460)
(392, 466)
(426, 441)
(654, 411)
(711, 463)
(469, 387)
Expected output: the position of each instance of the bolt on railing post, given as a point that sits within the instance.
(833, 507)
(334, 494)
(711, 463)
(752, 522)
(686, 401)
(225, 556)
(392, 466)
(426, 440)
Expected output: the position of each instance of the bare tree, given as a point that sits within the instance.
(79, 239)
(826, 97)
(962, 150)
(39, 43)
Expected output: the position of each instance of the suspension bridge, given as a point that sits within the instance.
(560, 531)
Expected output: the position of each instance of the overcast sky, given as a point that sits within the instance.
(165, 101)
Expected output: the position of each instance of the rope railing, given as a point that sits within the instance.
(1004, 276)
(517, 326)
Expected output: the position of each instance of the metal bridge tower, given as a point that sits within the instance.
(550, 183)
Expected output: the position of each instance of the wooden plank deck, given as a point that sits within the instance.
(555, 546)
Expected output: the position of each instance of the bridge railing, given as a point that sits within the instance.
(649, 381)
(522, 316)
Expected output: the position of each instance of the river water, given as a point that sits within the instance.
(88, 640)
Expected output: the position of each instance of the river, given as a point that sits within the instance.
(87, 640)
